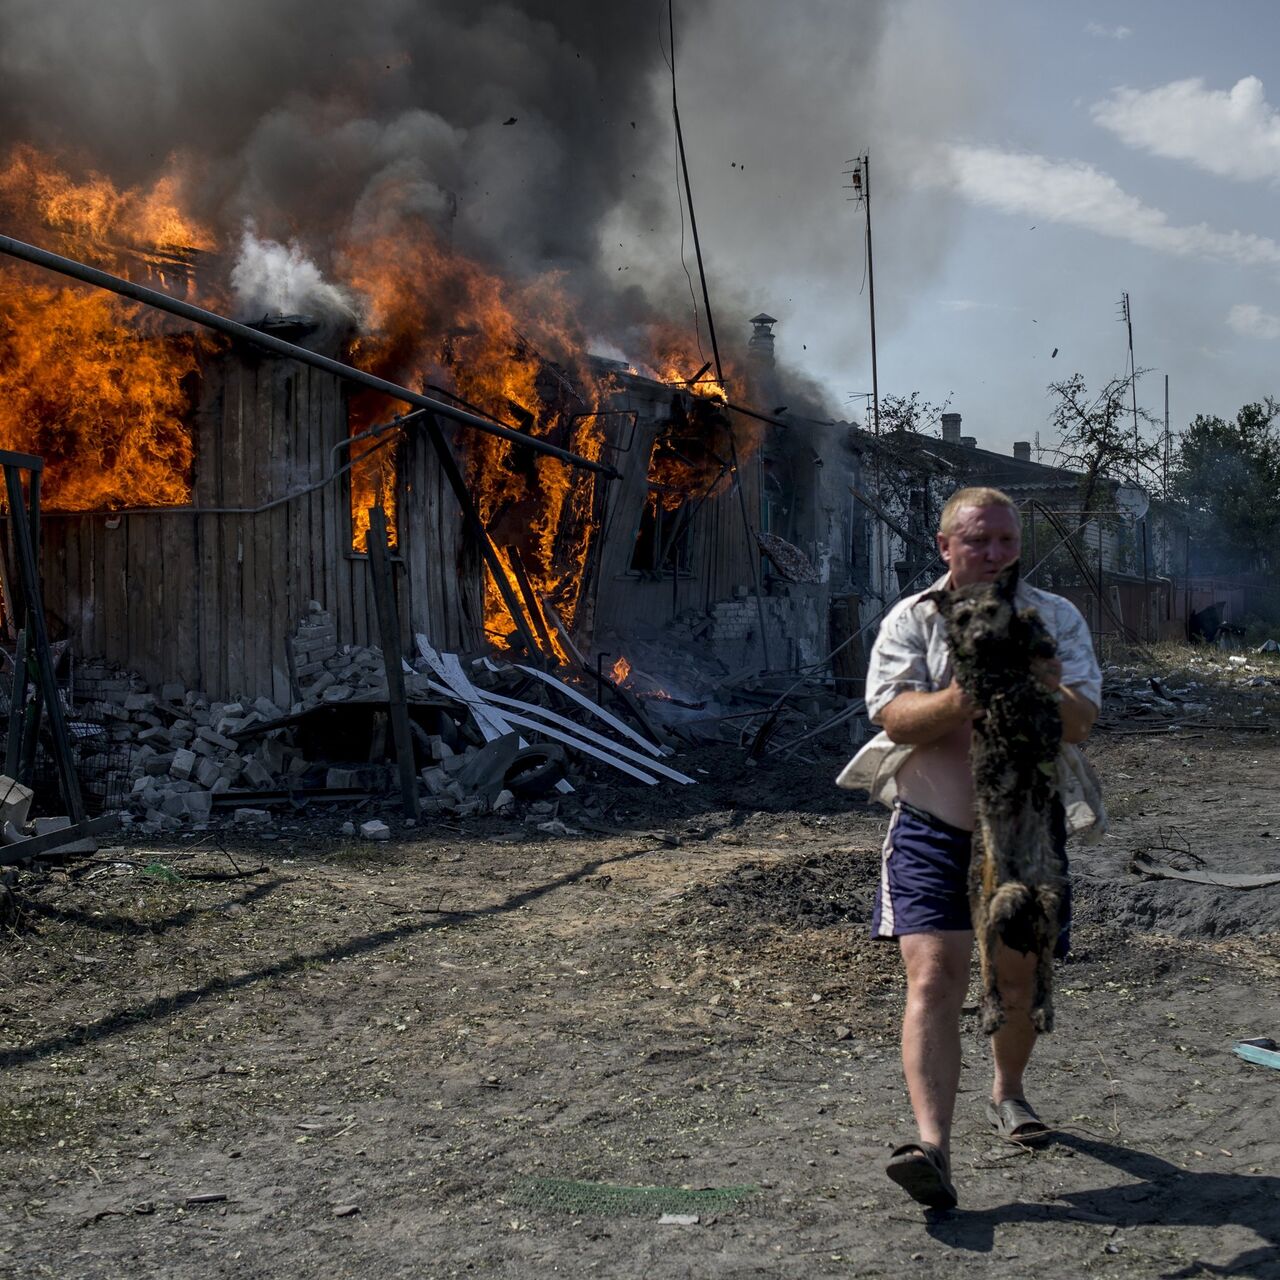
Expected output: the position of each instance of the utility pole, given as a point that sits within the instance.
(1166, 435)
(1127, 312)
(860, 184)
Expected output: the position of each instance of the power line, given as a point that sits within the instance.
(688, 195)
(693, 297)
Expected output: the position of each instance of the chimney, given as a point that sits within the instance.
(951, 428)
(969, 442)
(760, 344)
(1022, 450)
(762, 373)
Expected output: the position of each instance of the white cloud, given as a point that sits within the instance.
(1078, 195)
(1234, 133)
(1250, 321)
(1108, 33)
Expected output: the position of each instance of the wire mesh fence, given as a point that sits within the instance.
(101, 741)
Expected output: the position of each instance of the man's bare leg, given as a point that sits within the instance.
(937, 978)
(1011, 1046)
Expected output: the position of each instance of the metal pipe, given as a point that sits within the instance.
(233, 329)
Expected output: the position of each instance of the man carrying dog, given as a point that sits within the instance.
(920, 765)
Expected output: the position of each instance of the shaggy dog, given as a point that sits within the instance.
(1016, 878)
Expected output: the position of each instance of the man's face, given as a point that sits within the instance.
(981, 542)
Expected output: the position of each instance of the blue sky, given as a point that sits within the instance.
(1029, 163)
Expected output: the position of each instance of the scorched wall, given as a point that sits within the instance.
(206, 596)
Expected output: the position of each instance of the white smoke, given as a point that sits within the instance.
(270, 278)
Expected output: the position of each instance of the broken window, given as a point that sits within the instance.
(662, 540)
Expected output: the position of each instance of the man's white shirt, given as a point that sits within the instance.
(911, 654)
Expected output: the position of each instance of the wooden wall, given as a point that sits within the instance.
(206, 598)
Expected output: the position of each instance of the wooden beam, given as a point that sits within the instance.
(389, 632)
(36, 846)
(530, 598)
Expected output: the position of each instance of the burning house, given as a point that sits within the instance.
(239, 521)
(204, 495)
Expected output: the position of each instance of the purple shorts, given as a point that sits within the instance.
(924, 877)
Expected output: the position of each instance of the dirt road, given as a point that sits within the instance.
(481, 1051)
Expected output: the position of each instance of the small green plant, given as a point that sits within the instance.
(158, 870)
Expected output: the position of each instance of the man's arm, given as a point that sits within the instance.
(1078, 714)
(1077, 711)
(916, 717)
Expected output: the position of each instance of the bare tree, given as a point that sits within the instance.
(911, 413)
(1097, 437)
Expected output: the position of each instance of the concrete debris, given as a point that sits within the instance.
(43, 826)
(1187, 696)
(190, 757)
(557, 828)
(15, 801)
(375, 830)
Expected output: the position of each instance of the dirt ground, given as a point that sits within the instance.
(483, 1050)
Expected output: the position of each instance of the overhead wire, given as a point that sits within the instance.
(693, 297)
(753, 548)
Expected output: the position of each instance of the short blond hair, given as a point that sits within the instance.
(977, 496)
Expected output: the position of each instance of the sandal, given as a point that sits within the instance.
(1015, 1120)
(921, 1170)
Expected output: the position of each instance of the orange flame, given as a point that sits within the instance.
(101, 387)
(621, 671)
(87, 380)
(436, 320)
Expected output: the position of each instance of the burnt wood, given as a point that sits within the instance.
(389, 628)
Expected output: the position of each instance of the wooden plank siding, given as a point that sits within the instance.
(721, 550)
(206, 598)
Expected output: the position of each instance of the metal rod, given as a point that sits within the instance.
(233, 329)
(531, 603)
(759, 417)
